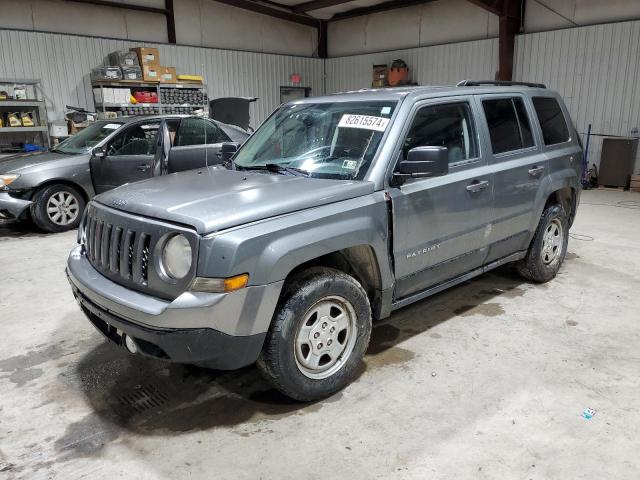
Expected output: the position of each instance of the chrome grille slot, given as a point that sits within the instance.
(106, 245)
(97, 241)
(121, 246)
(125, 247)
(138, 249)
(114, 253)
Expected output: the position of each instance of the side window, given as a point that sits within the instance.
(197, 131)
(447, 125)
(525, 125)
(552, 123)
(509, 126)
(139, 139)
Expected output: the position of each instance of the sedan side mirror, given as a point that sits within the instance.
(228, 150)
(424, 162)
(99, 152)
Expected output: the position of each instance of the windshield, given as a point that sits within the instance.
(87, 138)
(323, 140)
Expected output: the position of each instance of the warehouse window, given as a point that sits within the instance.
(509, 126)
(552, 123)
(447, 125)
(197, 131)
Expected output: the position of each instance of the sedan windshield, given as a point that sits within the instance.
(87, 138)
(322, 140)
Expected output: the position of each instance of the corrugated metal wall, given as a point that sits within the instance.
(63, 63)
(436, 65)
(596, 69)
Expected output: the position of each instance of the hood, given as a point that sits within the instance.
(216, 198)
(22, 161)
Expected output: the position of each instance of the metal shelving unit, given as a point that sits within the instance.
(161, 90)
(35, 106)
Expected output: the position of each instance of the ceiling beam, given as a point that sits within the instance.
(508, 8)
(281, 13)
(380, 7)
(126, 6)
(317, 5)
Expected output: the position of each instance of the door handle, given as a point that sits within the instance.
(477, 186)
(143, 168)
(535, 171)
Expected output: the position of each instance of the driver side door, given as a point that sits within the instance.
(128, 157)
(440, 223)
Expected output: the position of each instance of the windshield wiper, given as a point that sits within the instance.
(274, 167)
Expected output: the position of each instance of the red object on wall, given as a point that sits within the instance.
(296, 79)
(146, 97)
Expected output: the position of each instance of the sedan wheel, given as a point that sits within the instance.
(57, 208)
(63, 208)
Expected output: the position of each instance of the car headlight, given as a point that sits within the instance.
(177, 257)
(5, 180)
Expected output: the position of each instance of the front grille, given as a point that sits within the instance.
(121, 246)
(118, 251)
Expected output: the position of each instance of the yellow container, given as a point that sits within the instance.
(190, 78)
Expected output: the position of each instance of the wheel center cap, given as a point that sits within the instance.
(321, 336)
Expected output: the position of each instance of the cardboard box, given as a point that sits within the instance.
(147, 56)
(151, 73)
(167, 74)
(106, 95)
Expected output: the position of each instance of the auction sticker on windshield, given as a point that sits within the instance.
(364, 121)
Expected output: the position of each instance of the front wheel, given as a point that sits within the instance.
(318, 336)
(548, 247)
(57, 208)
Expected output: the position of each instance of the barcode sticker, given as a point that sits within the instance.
(379, 124)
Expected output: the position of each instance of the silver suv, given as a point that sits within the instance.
(337, 211)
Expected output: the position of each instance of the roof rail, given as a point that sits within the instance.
(499, 83)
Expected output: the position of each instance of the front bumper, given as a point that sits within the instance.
(11, 207)
(224, 331)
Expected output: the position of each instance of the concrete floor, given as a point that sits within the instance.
(487, 380)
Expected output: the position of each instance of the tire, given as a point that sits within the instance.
(548, 247)
(329, 313)
(57, 208)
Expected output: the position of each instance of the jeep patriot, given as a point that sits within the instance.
(337, 211)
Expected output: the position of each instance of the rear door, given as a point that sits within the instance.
(197, 143)
(440, 223)
(518, 166)
(128, 156)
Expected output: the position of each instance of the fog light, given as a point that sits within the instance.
(130, 344)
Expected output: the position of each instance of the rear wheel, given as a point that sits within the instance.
(318, 336)
(57, 208)
(548, 247)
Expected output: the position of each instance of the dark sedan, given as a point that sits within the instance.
(55, 186)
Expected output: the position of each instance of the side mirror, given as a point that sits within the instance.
(424, 162)
(99, 152)
(228, 150)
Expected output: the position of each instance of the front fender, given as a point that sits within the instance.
(269, 250)
(73, 170)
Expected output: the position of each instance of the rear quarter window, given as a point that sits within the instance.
(508, 122)
(552, 122)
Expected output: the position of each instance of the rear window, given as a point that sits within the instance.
(509, 126)
(552, 123)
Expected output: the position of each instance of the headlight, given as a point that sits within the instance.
(7, 179)
(177, 257)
